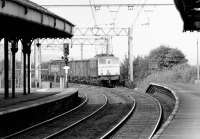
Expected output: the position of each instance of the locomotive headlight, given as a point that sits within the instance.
(108, 72)
(101, 72)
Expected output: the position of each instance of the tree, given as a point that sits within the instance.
(166, 57)
(124, 69)
(140, 68)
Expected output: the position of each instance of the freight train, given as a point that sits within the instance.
(102, 70)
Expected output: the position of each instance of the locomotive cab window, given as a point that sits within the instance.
(102, 61)
(115, 61)
(109, 61)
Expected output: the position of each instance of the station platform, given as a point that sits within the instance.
(20, 99)
(40, 104)
(186, 123)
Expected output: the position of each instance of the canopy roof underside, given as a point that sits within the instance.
(190, 13)
(23, 18)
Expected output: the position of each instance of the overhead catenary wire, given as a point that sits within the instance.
(115, 16)
(139, 12)
(93, 14)
(108, 5)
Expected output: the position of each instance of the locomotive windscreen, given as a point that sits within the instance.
(108, 66)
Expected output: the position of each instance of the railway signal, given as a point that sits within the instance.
(66, 59)
(66, 52)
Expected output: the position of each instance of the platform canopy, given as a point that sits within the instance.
(190, 14)
(23, 18)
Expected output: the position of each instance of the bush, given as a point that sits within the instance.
(130, 84)
(183, 73)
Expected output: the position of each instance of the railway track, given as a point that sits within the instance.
(109, 113)
(145, 119)
(98, 124)
(62, 122)
(85, 98)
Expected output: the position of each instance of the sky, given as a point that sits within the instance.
(152, 26)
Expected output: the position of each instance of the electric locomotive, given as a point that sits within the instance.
(103, 70)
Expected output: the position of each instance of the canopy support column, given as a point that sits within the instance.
(14, 49)
(24, 70)
(26, 42)
(6, 69)
(29, 66)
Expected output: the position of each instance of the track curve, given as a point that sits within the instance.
(145, 119)
(96, 126)
(43, 131)
(79, 121)
(122, 121)
(48, 120)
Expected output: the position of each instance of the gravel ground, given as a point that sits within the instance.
(118, 106)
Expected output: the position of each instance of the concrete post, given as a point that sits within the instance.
(66, 68)
(62, 84)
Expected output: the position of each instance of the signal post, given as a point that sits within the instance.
(66, 59)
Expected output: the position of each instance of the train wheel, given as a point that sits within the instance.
(113, 84)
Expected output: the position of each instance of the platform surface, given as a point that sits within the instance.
(36, 97)
(186, 123)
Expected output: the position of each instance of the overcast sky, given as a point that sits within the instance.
(152, 27)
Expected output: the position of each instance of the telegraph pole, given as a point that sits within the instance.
(197, 81)
(81, 51)
(107, 47)
(197, 61)
(130, 53)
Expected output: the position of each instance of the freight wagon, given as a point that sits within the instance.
(102, 69)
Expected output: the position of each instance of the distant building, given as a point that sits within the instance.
(56, 67)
